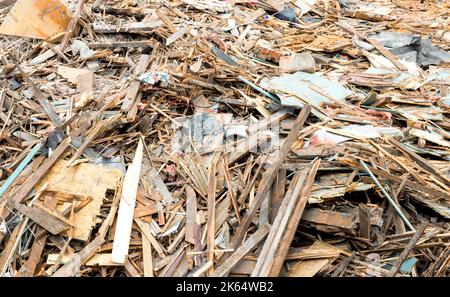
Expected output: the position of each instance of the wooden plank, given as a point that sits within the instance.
(144, 211)
(278, 191)
(123, 44)
(101, 260)
(49, 222)
(41, 235)
(364, 221)
(227, 266)
(130, 270)
(221, 213)
(131, 27)
(203, 269)
(211, 203)
(53, 213)
(421, 161)
(294, 220)
(305, 254)
(264, 210)
(171, 267)
(32, 19)
(269, 176)
(191, 213)
(145, 228)
(126, 207)
(309, 268)
(52, 259)
(177, 35)
(264, 262)
(96, 260)
(182, 268)
(72, 24)
(133, 89)
(330, 218)
(11, 245)
(72, 267)
(29, 268)
(430, 137)
(410, 246)
(243, 268)
(385, 52)
(176, 241)
(147, 256)
(130, 11)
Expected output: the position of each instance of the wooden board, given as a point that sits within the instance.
(191, 211)
(36, 19)
(43, 219)
(265, 259)
(96, 260)
(82, 180)
(309, 268)
(153, 183)
(126, 208)
(241, 251)
(147, 255)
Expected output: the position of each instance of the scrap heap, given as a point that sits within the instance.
(225, 138)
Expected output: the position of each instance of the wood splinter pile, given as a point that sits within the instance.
(224, 138)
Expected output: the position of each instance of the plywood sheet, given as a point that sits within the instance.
(36, 19)
(82, 180)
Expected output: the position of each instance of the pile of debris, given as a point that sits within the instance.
(225, 138)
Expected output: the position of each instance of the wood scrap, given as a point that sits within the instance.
(126, 208)
(225, 105)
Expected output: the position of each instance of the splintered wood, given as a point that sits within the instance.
(224, 138)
